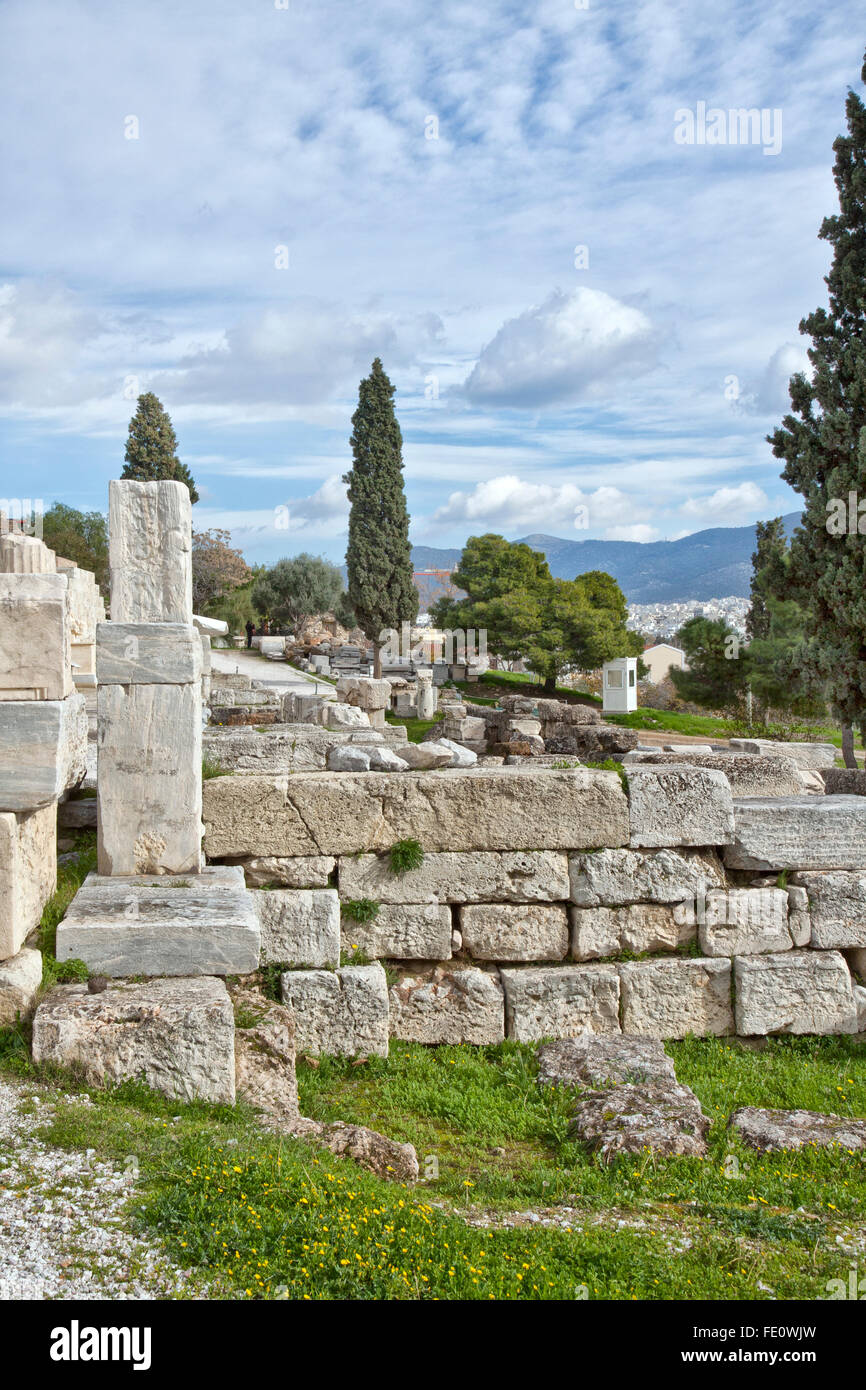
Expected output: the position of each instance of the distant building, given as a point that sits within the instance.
(661, 658)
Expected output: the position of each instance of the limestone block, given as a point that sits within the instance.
(837, 908)
(299, 926)
(43, 750)
(85, 603)
(35, 654)
(175, 1035)
(427, 700)
(798, 992)
(515, 931)
(28, 873)
(301, 709)
(773, 1131)
(282, 748)
(679, 806)
(811, 757)
(149, 779)
(670, 998)
(386, 760)
(365, 693)
(744, 922)
(339, 1012)
(803, 832)
(265, 1053)
(450, 1003)
(590, 1063)
(150, 552)
(423, 757)
(334, 716)
(605, 931)
(460, 756)
(272, 646)
(476, 809)
(20, 979)
(347, 758)
(666, 1120)
(147, 654)
(403, 931)
(616, 877)
(799, 920)
(518, 877)
(560, 1001)
(202, 925)
(312, 871)
(747, 774)
(20, 554)
(77, 815)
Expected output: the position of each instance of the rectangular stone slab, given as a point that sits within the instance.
(678, 805)
(151, 926)
(483, 877)
(560, 1001)
(456, 809)
(402, 931)
(43, 750)
(799, 832)
(670, 998)
(798, 992)
(299, 926)
(449, 1003)
(339, 1012)
(35, 655)
(150, 552)
(178, 1036)
(617, 877)
(837, 908)
(515, 931)
(28, 873)
(147, 654)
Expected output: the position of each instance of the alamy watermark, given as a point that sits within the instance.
(21, 516)
(740, 125)
(457, 646)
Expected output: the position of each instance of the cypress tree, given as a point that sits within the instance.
(824, 448)
(769, 574)
(378, 556)
(151, 447)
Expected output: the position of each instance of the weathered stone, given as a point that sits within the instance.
(300, 926)
(149, 779)
(560, 1001)
(770, 1131)
(837, 908)
(476, 809)
(605, 931)
(147, 654)
(844, 781)
(28, 873)
(423, 757)
(20, 979)
(43, 750)
(679, 806)
(265, 1053)
(77, 815)
(150, 552)
(460, 756)
(799, 918)
(281, 748)
(666, 1120)
(382, 1156)
(21, 554)
(744, 922)
(312, 871)
(484, 877)
(403, 931)
(35, 652)
(617, 877)
(809, 756)
(203, 925)
(515, 931)
(798, 992)
(804, 832)
(671, 998)
(590, 1063)
(747, 774)
(386, 760)
(175, 1035)
(447, 1004)
(857, 961)
(347, 758)
(334, 716)
(341, 1012)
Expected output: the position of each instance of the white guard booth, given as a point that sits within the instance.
(619, 685)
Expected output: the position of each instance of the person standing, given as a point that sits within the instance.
(251, 627)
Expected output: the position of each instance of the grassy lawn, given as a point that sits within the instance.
(415, 728)
(261, 1217)
(715, 727)
(515, 683)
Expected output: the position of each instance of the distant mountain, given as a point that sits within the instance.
(708, 564)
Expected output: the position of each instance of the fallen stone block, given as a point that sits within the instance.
(804, 832)
(386, 760)
(150, 553)
(308, 871)
(744, 922)
(177, 1036)
(425, 757)
(163, 925)
(605, 931)
(43, 750)
(618, 877)
(28, 873)
(460, 756)
(672, 998)
(747, 774)
(349, 759)
(844, 781)
(770, 1131)
(590, 1063)
(515, 931)
(334, 716)
(837, 908)
(340, 1012)
(369, 1149)
(485, 877)
(797, 992)
(299, 926)
(560, 1001)
(666, 1120)
(20, 980)
(279, 748)
(672, 806)
(402, 931)
(148, 654)
(35, 652)
(447, 1004)
(811, 757)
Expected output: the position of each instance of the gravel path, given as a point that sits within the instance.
(64, 1217)
(277, 674)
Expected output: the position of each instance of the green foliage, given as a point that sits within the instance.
(292, 591)
(63, 972)
(151, 447)
(381, 590)
(769, 574)
(78, 536)
(611, 765)
(360, 910)
(415, 728)
(354, 955)
(405, 855)
(210, 767)
(217, 569)
(715, 678)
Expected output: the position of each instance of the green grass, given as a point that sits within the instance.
(210, 767)
(70, 876)
(259, 1217)
(360, 910)
(415, 728)
(405, 855)
(715, 727)
(515, 683)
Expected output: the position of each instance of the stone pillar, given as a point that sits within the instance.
(427, 697)
(148, 669)
(86, 609)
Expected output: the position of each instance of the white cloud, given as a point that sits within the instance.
(727, 504)
(640, 531)
(569, 348)
(512, 503)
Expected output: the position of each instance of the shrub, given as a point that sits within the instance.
(406, 855)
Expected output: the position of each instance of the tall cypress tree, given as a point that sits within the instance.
(769, 574)
(378, 556)
(824, 449)
(151, 447)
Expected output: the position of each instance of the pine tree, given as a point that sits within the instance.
(824, 448)
(378, 556)
(769, 574)
(151, 448)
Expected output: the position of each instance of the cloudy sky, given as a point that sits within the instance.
(589, 320)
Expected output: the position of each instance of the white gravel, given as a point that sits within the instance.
(65, 1217)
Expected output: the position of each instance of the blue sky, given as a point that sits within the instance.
(427, 171)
